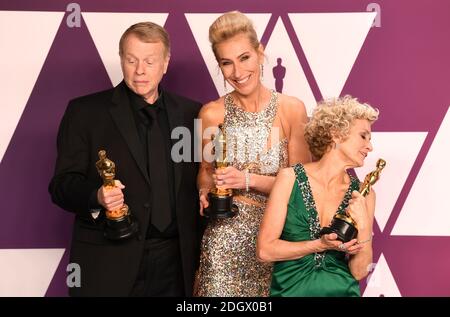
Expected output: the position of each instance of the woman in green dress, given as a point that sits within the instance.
(306, 197)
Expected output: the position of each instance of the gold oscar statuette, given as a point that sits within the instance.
(220, 199)
(342, 224)
(119, 222)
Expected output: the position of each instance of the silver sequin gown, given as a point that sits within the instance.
(228, 264)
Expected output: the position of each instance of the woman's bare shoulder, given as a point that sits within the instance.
(213, 110)
(291, 106)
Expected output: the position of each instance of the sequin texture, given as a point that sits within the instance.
(228, 264)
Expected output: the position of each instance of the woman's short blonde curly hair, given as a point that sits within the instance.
(334, 118)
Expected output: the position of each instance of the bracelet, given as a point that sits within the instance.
(365, 241)
(247, 179)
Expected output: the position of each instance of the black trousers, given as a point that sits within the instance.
(160, 272)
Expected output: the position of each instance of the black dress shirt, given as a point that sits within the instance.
(142, 124)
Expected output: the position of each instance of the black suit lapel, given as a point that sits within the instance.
(123, 117)
(176, 119)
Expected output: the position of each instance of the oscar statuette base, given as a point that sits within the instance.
(221, 206)
(344, 230)
(122, 227)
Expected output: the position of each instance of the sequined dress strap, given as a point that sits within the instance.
(234, 114)
(308, 200)
(251, 130)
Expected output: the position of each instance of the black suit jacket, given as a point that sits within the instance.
(105, 120)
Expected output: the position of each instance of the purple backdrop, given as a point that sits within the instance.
(403, 69)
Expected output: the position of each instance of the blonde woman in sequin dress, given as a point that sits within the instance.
(268, 131)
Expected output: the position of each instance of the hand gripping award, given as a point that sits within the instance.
(220, 199)
(342, 224)
(119, 222)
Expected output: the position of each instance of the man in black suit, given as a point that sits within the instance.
(132, 123)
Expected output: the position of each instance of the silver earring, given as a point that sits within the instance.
(261, 75)
(225, 85)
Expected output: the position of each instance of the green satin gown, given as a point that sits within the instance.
(317, 274)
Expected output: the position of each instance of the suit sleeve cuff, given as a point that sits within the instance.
(94, 207)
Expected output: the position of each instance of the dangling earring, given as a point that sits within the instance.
(336, 146)
(225, 85)
(261, 69)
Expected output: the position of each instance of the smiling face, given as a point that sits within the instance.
(240, 63)
(357, 145)
(143, 66)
